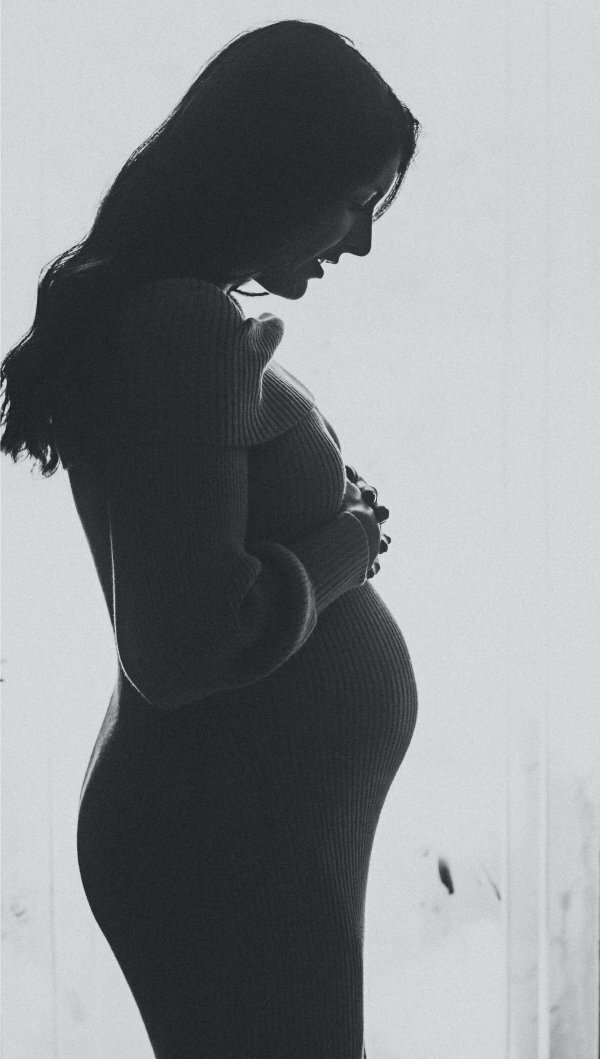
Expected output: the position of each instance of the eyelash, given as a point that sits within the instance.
(367, 206)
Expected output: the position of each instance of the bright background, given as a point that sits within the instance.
(458, 362)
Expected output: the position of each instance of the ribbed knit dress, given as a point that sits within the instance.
(265, 696)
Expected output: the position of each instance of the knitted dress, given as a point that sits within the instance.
(264, 697)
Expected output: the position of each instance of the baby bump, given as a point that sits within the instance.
(327, 729)
(356, 663)
(338, 717)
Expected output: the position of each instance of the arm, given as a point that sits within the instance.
(195, 610)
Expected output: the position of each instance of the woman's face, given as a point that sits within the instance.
(344, 229)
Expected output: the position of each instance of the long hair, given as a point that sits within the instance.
(278, 126)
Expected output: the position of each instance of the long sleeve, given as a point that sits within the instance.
(194, 610)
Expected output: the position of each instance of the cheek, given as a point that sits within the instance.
(329, 235)
(316, 241)
(341, 226)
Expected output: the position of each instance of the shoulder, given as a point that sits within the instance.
(186, 343)
(181, 308)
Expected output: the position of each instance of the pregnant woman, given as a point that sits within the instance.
(264, 697)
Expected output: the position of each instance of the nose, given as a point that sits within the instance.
(358, 238)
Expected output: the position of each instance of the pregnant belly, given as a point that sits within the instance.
(357, 655)
(353, 683)
(299, 762)
(336, 719)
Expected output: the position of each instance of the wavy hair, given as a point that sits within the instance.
(277, 126)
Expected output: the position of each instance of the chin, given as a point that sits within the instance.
(285, 284)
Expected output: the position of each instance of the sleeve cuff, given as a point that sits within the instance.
(335, 557)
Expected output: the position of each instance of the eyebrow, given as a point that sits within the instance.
(380, 192)
(374, 195)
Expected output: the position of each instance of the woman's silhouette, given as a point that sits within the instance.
(264, 697)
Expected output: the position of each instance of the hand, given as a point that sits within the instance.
(357, 487)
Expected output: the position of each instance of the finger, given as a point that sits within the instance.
(351, 472)
(374, 569)
(383, 547)
(382, 514)
(369, 494)
(352, 490)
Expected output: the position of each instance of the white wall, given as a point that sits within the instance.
(459, 365)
